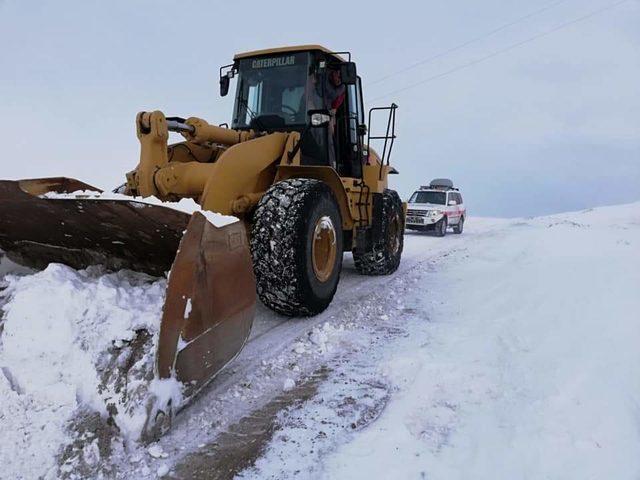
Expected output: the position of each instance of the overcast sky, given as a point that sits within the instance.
(545, 117)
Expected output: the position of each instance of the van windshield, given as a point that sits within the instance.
(437, 198)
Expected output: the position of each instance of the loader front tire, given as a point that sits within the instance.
(296, 244)
(383, 258)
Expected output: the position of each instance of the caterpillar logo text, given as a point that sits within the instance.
(273, 62)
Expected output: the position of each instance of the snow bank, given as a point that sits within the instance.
(520, 360)
(64, 334)
(532, 364)
(186, 205)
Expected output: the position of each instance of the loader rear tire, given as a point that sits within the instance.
(296, 243)
(384, 256)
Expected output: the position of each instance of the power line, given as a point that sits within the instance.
(506, 49)
(468, 42)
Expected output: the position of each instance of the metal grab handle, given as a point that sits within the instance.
(389, 136)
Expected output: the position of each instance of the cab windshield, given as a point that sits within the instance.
(272, 91)
(436, 198)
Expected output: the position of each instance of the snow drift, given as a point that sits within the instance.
(74, 344)
(521, 360)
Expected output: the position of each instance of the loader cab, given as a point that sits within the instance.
(282, 89)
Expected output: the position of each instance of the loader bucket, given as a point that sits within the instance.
(80, 232)
(210, 297)
(210, 303)
(207, 315)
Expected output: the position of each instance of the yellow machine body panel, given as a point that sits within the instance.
(243, 170)
(329, 176)
(280, 50)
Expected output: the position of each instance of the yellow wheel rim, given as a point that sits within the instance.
(324, 248)
(395, 230)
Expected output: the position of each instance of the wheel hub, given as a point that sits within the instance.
(324, 248)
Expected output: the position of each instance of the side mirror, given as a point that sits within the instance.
(319, 118)
(362, 129)
(224, 85)
(452, 203)
(348, 73)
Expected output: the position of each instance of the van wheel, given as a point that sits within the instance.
(384, 256)
(459, 227)
(296, 244)
(441, 227)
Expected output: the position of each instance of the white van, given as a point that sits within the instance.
(436, 207)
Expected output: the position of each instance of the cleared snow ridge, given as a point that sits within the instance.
(67, 335)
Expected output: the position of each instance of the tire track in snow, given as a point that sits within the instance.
(247, 384)
(354, 292)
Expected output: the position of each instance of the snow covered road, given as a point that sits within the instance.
(510, 351)
(520, 360)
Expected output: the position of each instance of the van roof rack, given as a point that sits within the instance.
(439, 184)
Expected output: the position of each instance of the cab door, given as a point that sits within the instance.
(355, 136)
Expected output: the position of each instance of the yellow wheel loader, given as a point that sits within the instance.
(295, 166)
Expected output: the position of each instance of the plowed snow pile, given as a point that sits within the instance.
(65, 334)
